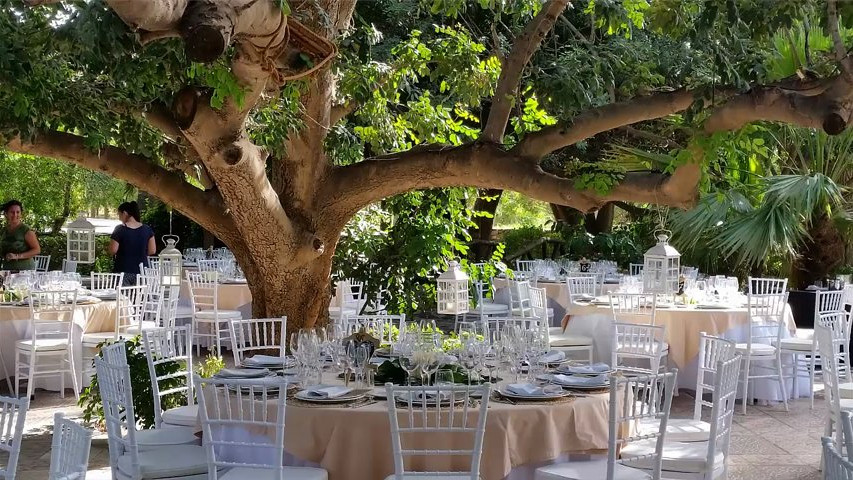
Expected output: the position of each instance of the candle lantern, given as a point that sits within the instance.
(81, 241)
(171, 263)
(452, 291)
(661, 267)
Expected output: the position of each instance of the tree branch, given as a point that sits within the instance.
(837, 42)
(484, 165)
(597, 120)
(522, 50)
(653, 137)
(204, 208)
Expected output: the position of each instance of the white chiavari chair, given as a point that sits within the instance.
(635, 269)
(128, 457)
(487, 307)
(170, 366)
(767, 300)
(835, 467)
(597, 282)
(638, 343)
(214, 265)
(378, 326)
(69, 450)
(13, 414)
(847, 430)
(557, 338)
(831, 338)
(69, 266)
(525, 267)
(105, 281)
(519, 298)
(580, 289)
(633, 307)
(152, 308)
(803, 347)
(414, 416)
(256, 335)
(52, 333)
(644, 399)
(209, 321)
(231, 406)
(42, 262)
(701, 460)
(127, 323)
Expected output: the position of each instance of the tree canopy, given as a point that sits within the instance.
(272, 123)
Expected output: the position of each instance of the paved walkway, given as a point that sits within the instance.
(768, 443)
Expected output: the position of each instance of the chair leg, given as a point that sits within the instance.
(812, 374)
(745, 383)
(782, 380)
(73, 367)
(31, 374)
(17, 373)
(795, 373)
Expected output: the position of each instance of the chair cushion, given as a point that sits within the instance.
(758, 349)
(493, 308)
(171, 461)
(186, 415)
(96, 338)
(677, 456)
(43, 344)
(290, 473)
(430, 477)
(164, 436)
(589, 470)
(223, 314)
(798, 344)
(679, 429)
(561, 339)
(805, 333)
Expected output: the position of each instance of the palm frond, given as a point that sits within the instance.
(803, 193)
(752, 237)
(635, 159)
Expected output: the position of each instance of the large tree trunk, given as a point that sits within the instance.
(600, 221)
(487, 202)
(819, 253)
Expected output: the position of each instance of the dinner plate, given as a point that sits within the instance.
(349, 397)
(243, 373)
(403, 397)
(711, 306)
(569, 369)
(517, 396)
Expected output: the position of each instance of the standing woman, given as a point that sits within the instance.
(131, 243)
(19, 243)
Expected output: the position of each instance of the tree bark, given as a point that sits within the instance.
(59, 221)
(819, 253)
(600, 221)
(487, 202)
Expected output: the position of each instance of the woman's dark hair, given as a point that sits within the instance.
(11, 203)
(130, 208)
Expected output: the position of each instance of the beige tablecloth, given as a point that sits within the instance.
(683, 326)
(15, 325)
(232, 296)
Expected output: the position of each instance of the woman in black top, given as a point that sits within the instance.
(131, 243)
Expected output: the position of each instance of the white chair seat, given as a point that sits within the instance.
(172, 461)
(290, 473)
(490, 308)
(186, 415)
(222, 314)
(680, 429)
(165, 436)
(184, 311)
(589, 470)
(431, 477)
(846, 403)
(146, 325)
(560, 339)
(96, 338)
(664, 347)
(805, 333)
(43, 344)
(846, 390)
(758, 349)
(797, 344)
(677, 456)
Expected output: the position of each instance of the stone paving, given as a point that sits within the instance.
(768, 443)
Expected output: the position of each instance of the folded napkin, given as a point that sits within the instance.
(586, 369)
(265, 360)
(553, 356)
(243, 373)
(327, 391)
(533, 390)
(580, 381)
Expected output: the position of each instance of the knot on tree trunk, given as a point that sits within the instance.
(207, 27)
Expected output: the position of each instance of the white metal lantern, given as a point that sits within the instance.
(171, 262)
(452, 291)
(81, 241)
(661, 267)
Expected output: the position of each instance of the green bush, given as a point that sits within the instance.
(519, 238)
(140, 383)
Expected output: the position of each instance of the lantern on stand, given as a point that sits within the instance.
(661, 267)
(452, 291)
(171, 263)
(81, 241)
